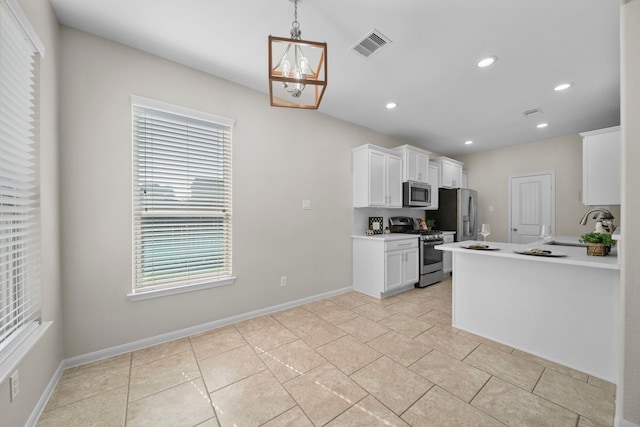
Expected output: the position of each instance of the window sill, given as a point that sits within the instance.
(144, 294)
(31, 338)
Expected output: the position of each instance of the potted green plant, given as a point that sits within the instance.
(598, 244)
(431, 223)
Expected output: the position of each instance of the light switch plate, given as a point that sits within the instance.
(306, 205)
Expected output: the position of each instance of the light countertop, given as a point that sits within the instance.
(575, 255)
(385, 237)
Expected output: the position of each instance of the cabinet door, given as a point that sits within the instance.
(447, 262)
(601, 169)
(456, 175)
(422, 166)
(447, 256)
(393, 268)
(412, 165)
(446, 174)
(411, 268)
(377, 179)
(434, 180)
(394, 181)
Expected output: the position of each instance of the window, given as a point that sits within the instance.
(20, 52)
(181, 199)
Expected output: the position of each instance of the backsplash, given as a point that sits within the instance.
(361, 217)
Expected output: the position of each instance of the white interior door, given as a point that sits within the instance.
(532, 204)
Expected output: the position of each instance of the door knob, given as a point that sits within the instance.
(514, 229)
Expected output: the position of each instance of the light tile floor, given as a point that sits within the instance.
(348, 360)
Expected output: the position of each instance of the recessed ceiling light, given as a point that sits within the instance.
(562, 86)
(485, 62)
(469, 142)
(391, 105)
(542, 125)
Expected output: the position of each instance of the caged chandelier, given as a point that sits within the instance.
(297, 69)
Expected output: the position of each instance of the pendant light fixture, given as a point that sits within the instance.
(297, 69)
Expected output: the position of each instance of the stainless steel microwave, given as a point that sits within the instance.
(416, 194)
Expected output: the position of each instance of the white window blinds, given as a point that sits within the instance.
(19, 180)
(181, 196)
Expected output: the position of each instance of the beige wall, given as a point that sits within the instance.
(280, 157)
(489, 173)
(39, 366)
(629, 394)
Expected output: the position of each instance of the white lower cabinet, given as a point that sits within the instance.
(447, 256)
(382, 267)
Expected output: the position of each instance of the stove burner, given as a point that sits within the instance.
(406, 225)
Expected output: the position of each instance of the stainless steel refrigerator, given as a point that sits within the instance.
(457, 211)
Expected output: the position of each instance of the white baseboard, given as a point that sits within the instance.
(159, 339)
(37, 411)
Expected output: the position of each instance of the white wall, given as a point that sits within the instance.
(489, 173)
(37, 369)
(629, 395)
(280, 157)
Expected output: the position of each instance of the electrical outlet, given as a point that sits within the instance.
(14, 384)
(283, 281)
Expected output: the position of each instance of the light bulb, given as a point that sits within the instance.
(303, 65)
(286, 66)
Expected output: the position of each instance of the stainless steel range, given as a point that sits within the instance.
(430, 258)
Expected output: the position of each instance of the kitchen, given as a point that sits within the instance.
(94, 290)
(372, 260)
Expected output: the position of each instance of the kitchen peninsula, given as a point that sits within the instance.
(563, 309)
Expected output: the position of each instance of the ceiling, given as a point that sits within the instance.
(428, 69)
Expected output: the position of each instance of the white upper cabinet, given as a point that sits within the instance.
(450, 172)
(601, 166)
(415, 163)
(434, 180)
(377, 177)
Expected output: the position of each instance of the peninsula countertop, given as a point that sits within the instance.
(564, 309)
(574, 255)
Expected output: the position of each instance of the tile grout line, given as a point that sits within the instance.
(209, 398)
(126, 403)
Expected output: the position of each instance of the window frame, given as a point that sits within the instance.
(139, 204)
(23, 319)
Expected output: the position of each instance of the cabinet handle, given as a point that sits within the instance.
(405, 244)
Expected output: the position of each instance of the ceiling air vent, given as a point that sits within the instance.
(532, 112)
(371, 43)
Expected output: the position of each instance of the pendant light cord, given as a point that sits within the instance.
(295, 25)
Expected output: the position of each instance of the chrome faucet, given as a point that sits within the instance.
(604, 214)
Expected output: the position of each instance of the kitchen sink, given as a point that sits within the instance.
(558, 243)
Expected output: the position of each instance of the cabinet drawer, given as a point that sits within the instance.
(401, 244)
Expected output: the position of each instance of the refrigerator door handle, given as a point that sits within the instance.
(472, 213)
